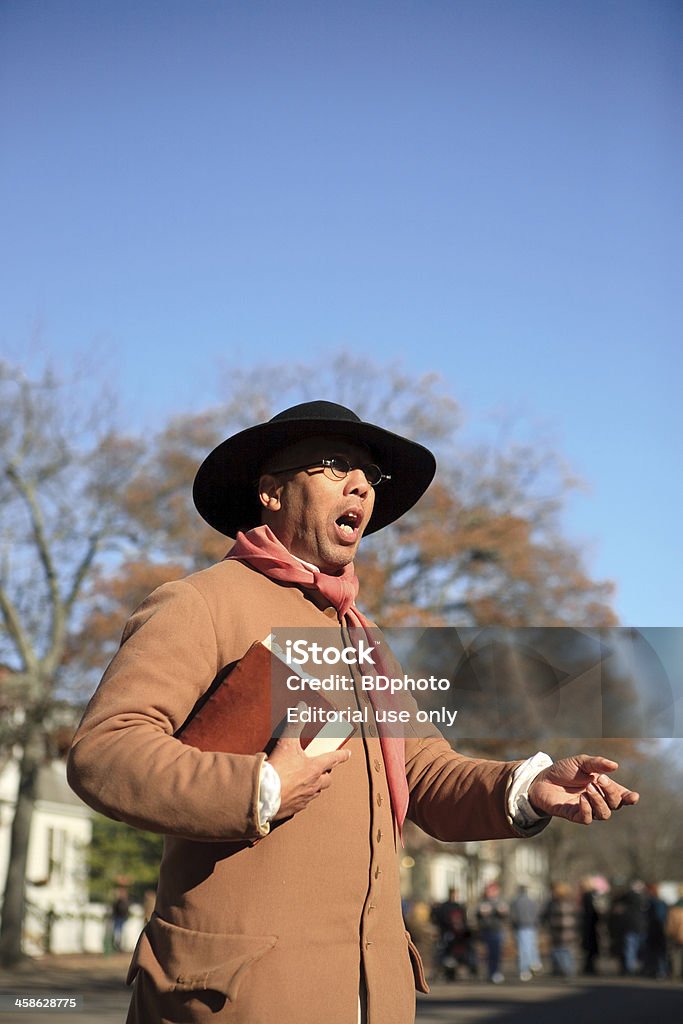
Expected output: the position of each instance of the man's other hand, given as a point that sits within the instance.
(302, 778)
(579, 789)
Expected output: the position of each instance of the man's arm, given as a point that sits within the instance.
(457, 798)
(125, 761)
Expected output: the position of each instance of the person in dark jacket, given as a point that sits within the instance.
(561, 916)
(590, 918)
(627, 926)
(634, 925)
(654, 954)
(455, 936)
(120, 911)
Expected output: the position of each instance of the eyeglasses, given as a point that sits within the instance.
(340, 469)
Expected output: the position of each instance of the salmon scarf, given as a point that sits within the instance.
(261, 549)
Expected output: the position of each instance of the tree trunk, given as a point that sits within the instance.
(13, 904)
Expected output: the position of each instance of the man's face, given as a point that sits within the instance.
(317, 517)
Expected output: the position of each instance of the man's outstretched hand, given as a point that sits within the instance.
(579, 789)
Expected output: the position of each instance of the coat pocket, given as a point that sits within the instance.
(182, 960)
(417, 965)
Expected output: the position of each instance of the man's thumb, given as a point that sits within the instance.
(293, 730)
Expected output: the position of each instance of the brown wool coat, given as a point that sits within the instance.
(279, 930)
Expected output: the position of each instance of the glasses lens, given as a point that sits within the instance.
(340, 467)
(373, 474)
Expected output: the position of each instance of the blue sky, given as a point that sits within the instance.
(487, 190)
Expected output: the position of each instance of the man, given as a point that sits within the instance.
(633, 923)
(455, 936)
(120, 912)
(590, 927)
(492, 915)
(561, 915)
(278, 894)
(524, 914)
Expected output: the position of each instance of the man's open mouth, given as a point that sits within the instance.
(349, 523)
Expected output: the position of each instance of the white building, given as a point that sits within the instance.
(58, 917)
(468, 870)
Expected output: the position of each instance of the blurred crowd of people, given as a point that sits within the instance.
(588, 929)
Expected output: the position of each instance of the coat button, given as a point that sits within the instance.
(379, 799)
(372, 730)
(331, 612)
(378, 872)
(378, 765)
(379, 835)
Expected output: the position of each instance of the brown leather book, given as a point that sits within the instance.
(246, 709)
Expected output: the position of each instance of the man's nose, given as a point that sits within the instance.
(357, 483)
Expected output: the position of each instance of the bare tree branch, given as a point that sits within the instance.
(42, 549)
(24, 650)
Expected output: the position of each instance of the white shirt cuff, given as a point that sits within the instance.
(268, 794)
(519, 808)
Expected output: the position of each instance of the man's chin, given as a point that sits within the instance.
(335, 562)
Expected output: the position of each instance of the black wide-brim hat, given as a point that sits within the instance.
(225, 487)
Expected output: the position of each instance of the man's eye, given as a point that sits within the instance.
(340, 465)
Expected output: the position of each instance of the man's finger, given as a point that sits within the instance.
(630, 797)
(596, 763)
(584, 811)
(326, 762)
(612, 792)
(599, 807)
(615, 794)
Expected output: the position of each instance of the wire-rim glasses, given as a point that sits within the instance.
(340, 468)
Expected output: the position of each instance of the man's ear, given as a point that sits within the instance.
(269, 492)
